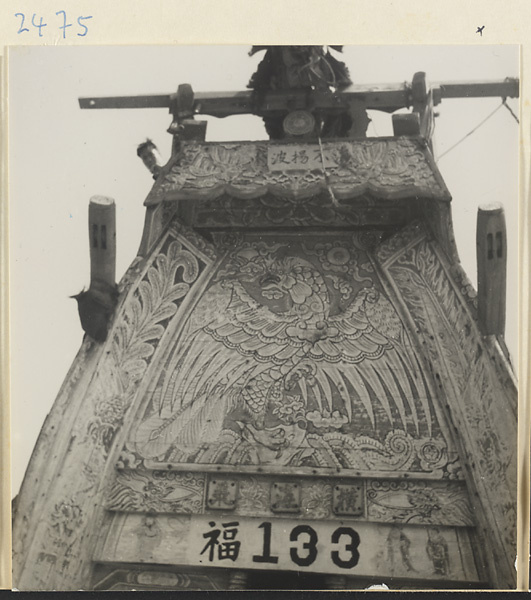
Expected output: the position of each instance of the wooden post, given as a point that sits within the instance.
(102, 236)
(183, 126)
(420, 120)
(491, 239)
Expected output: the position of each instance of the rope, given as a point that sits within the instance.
(374, 127)
(314, 63)
(327, 181)
(474, 130)
(510, 110)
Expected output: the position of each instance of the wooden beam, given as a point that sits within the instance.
(148, 101)
(509, 88)
(222, 104)
(388, 97)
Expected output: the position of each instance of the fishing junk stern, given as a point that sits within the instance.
(295, 377)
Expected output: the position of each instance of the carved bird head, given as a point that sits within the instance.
(296, 277)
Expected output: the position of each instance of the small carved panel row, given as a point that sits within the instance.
(286, 497)
(413, 501)
(319, 210)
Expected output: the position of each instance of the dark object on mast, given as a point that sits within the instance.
(303, 68)
(293, 67)
(97, 304)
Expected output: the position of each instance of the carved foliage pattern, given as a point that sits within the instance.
(157, 491)
(419, 502)
(448, 334)
(142, 324)
(276, 211)
(391, 168)
(129, 349)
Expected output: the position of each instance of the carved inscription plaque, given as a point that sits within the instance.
(342, 547)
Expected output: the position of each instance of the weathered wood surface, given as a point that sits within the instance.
(102, 236)
(61, 501)
(491, 243)
(294, 356)
(108, 397)
(428, 554)
(479, 404)
(389, 168)
(317, 353)
(387, 97)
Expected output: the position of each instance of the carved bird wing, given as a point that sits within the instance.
(367, 356)
(231, 342)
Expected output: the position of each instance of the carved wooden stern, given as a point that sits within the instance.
(294, 380)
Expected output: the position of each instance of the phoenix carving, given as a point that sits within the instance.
(271, 359)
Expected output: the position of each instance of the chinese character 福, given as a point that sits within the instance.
(228, 548)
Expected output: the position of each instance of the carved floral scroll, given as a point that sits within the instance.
(390, 168)
(480, 407)
(54, 550)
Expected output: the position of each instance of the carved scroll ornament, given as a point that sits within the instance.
(479, 404)
(57, 552)
(389, 168)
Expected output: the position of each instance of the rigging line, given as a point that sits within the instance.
(511, 111)
(327, 181)
(470, 132)
(374, 127)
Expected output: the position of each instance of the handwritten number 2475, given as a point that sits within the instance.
(63, 26)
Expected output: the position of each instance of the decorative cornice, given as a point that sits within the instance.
(389, 168)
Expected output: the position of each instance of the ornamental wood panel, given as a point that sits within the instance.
(295, 358)
(60, 505)
(363, 550)
(479, 404)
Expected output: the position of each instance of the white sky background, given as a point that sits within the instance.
(59, 156)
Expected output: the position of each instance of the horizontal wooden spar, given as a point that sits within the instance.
(222, 104)
(150, 101)
(508, 88)
(388, 97)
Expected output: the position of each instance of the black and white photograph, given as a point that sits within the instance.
(264, 317)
